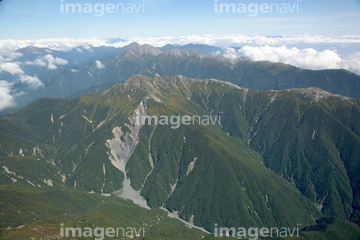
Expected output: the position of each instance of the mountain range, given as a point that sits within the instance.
(274, 158)
(80, 70)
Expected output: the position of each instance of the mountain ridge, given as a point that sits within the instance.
(99, 67)
(71, 135)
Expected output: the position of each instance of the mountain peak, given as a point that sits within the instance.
(133, 45)
(141, 84)
(146, 49)
(33, 50)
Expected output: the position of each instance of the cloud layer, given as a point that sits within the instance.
(66, 44)
(308, 58)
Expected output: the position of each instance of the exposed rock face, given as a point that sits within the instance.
(122, 147)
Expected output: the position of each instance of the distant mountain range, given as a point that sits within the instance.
(275, 158)
(81, 70)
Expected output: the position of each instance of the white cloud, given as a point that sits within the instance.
(6, 100)
(15, 69)
(352, 63)
(48, 61)
(52, 62)
(242, 39)
(52, 66)
(11, 67)
(33, 82)
(308, 58)
(38, 62)
(99, 65)
(8, 56)
(60, 44)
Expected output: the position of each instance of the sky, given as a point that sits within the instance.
(311, 34)
(25, 19)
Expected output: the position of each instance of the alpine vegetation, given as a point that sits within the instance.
(201, 149)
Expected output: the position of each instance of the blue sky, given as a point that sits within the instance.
(311, 34)
(25, 19)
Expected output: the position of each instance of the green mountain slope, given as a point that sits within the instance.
(327, 229)
(40, 212)
(277, 158)
(311, 139)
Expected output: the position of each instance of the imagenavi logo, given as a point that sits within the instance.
(253, 233)
(99, 233)
(252, 9)
(99, 9)
(175, 121)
